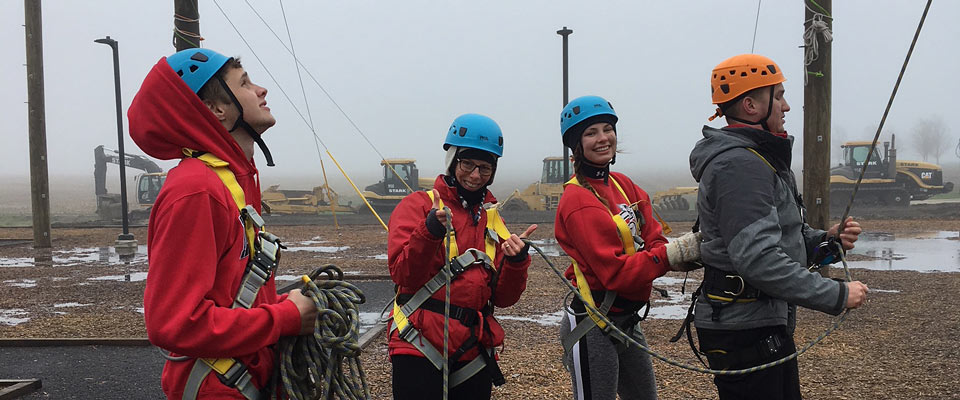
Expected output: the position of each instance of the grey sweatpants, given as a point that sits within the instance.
(600, 369)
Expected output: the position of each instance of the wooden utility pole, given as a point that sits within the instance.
(816, 124)
(186, 24)
(39, 181)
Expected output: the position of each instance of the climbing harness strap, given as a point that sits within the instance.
(404, 306)
(586, 324)
(264, 256)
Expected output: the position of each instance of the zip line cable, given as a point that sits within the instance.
(292, 104)
(306, 102)
(883, 119)
(326, 93)
(755, 24)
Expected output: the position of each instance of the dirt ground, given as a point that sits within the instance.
(901, 345)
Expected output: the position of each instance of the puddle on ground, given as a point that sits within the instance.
(21, 283)
(379, 256)
(552, 319)
(317, 249)
(78, 256)
(312, 241)
(549, 247)
(131, 277)
(925, 252)
(13, 316)
(71, 304)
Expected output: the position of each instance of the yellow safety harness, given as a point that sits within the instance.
(626, 237)
(459, 262)
(264, 249)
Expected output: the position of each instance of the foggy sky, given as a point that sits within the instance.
(404, 70)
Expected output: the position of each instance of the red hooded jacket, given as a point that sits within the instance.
(585, 230)
(415, 256)
(196, 244)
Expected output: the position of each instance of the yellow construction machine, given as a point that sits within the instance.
(543, 195)
(887, 180)
(321, 199)
(673, 198)
(400, 176)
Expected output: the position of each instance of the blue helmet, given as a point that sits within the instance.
(580, 113)
(477, 132)
(196, 66)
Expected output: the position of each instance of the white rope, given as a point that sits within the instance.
(811, 46)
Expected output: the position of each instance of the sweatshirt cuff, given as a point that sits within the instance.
(434, 226)
(289, 318)
(521, 256)
(842, 299)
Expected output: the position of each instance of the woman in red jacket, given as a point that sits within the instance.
(489, 270)
(604, 223)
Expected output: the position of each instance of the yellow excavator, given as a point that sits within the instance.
(543, 195)
(320, 200)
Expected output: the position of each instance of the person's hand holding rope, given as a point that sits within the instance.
(849, 235)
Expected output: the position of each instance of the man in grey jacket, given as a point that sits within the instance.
(756, 244)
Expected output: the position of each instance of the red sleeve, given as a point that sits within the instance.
(512, 281)
(588, 234)
(413, 254)
(192, 282)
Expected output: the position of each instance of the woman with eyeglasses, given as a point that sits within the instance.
(605, 224)
(455, 222)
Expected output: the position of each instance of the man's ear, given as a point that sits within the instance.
(749, 105)
(218, 109)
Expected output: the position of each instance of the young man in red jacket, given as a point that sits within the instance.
(204, 242)
(489, 268)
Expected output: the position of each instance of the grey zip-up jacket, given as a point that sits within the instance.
(752, 225)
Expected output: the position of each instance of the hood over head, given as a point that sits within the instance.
(166, 116)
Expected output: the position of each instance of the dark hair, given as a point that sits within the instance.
(213, 90)
(729, 106)
(578, 160)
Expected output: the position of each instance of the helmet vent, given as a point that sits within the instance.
(500, 141)
(754, 70)
(772, 68)
(611, 105)
(198, 56)
(180, 72)
(193, 68)
(764, 73)
(743, 74)
(733, 71)
(463, 131)
(725, 88)
(576, 110)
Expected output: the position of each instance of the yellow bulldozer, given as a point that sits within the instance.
(543, 195)
(396, 184)
(321, 199)
(887, 180)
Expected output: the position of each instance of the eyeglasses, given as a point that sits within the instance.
(467, 167)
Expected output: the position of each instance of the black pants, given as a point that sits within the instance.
(748, 348)
(415, 378)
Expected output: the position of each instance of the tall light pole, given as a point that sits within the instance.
(124, 240)
(566, 97)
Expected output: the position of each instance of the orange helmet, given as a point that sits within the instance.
(740, 74)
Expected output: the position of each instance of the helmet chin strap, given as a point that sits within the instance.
(240, 123)
(763, 121)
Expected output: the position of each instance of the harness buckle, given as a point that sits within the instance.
(468, 258)
(742, 285)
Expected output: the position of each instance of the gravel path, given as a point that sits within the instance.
(901, 345)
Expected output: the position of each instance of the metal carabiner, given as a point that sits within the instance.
(742, 285)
